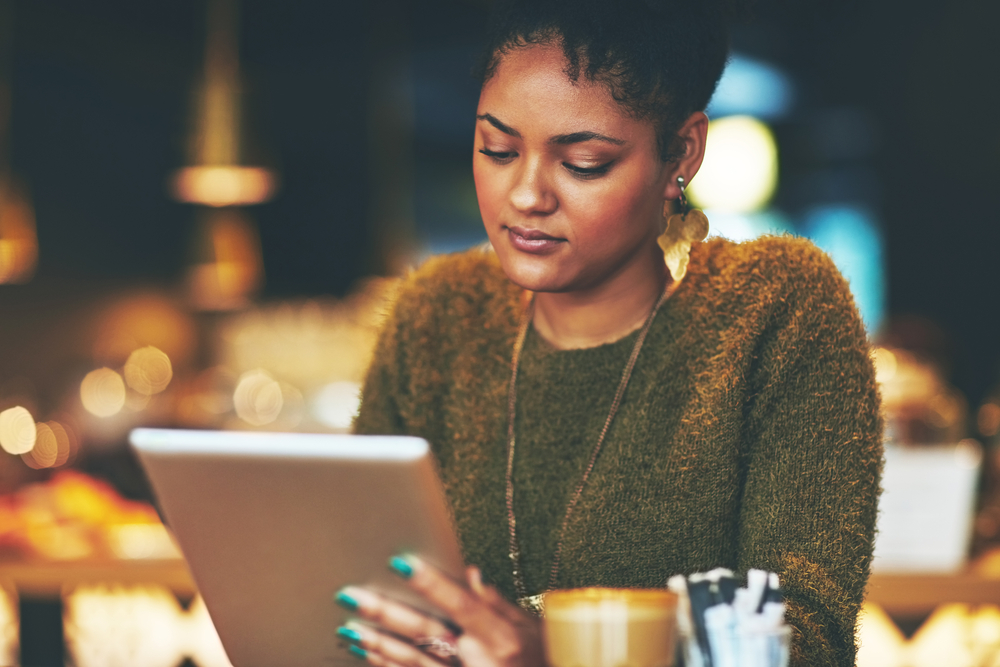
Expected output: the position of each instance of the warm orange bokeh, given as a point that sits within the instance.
(72, 516)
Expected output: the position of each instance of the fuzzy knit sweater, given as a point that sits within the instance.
(749, 435)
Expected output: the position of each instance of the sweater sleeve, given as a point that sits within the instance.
(814, 459)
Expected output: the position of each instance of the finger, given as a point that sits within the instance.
(393, 616)
(459, 603)
(384, 649)
(492, 597)
(475, 578)
(372, 657)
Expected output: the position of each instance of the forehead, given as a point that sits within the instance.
(530, 86)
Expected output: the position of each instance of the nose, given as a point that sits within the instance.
(531, 193)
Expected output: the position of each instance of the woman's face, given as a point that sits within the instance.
(571, 188)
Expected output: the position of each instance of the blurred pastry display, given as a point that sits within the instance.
(75, 517)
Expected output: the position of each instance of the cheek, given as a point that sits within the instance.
(489, 192)
(622, 206)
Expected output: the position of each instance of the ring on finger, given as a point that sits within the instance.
(443, 646)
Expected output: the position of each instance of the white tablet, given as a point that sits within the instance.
(274, 524)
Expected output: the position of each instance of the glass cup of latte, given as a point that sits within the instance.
(610, 627)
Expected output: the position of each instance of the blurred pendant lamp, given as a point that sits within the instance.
(18, 239)
(227, 268)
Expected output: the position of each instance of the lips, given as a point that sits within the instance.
(533, 241)
(533, 234)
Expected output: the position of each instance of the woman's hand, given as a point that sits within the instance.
(493, 631)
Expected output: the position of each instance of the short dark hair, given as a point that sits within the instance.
(660, 60)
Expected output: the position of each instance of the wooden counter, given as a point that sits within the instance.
(895, 593)
(912, 594)
(48, 579)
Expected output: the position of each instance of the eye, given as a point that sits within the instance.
(500, 157)
(587, 173)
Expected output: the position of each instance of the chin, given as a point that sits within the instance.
(538, 280)
(530, 273)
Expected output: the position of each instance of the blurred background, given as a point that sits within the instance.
(203, 205)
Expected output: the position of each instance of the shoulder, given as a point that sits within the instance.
(466, 289)
(471, 273)
(777, 269)
(771, 258)
(775, 293)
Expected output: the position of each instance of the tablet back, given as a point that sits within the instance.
(272, 525)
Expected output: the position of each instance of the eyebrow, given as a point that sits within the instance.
(579, 137)
(559, 140)
(495, 122)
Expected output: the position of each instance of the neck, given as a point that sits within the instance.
(603, 314)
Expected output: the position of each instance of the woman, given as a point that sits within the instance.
(602, 416)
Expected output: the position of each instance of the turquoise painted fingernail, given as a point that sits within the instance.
(402, 568)
(345, 601)
(358, 652)
(349, 635)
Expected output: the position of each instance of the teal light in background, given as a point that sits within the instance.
(745, 226)
(850, 235)
(752, 87)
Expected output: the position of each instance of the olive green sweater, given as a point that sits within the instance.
(749, 435)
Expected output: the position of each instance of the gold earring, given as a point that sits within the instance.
(684, 227)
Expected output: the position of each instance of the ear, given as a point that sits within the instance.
(692, 135)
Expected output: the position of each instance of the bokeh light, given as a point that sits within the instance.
(103, 392)
(224, 185)
(885, 364)
(55, 446)
(740, 171)
(17, 430)
(953, 634)
(336, 404)
(745, 226)
(137, 625)
(46, 450)
(67, 441)
(257, 399)
(139, 541)
(851, 236)
(752, 87)
(228, 265)
(136, 402)
(293, 406)
(18, 237)
(148, 370)
(988, 419)
(9, 624)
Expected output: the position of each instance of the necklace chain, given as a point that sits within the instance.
(534, 602)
